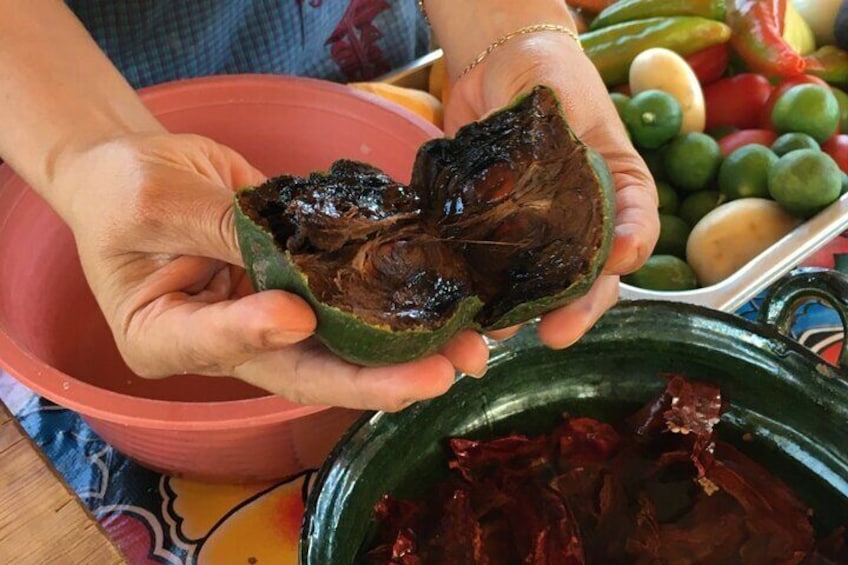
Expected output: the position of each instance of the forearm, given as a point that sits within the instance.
(59, 94)
(467, 27)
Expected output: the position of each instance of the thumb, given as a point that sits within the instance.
(213, 338)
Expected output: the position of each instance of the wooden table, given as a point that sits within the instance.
(41, 519)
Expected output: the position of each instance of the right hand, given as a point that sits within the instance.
(153, 219)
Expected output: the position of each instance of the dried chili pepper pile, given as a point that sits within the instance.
(658, 488)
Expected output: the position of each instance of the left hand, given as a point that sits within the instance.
(553, 59)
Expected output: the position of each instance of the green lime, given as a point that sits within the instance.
(692, 161)
(674, 233)
(842, 99)
(805, 181)
(653, 118)
(844, 184)
(620, 100)
(668, 198)
(744, 173)
(654, 159)
(807, 108)
(663, 272)
(699, 204)
(792, 141)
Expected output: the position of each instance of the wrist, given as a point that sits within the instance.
(78, 170)
(466, 29)
(62, 176)
(61, 95)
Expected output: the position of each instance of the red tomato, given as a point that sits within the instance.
(622, 89)
(733, 141)
(786, 84)
(736, 101)
(593, 6)
(837, 147)
(710, 64)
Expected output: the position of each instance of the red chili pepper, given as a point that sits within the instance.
(710, 64)
(758, 37)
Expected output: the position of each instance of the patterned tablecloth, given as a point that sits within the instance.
(157, 519)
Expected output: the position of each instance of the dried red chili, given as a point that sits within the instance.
(660, 487)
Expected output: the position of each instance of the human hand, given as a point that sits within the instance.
(153, 219)
(555, 60)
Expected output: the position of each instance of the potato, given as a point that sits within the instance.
(733, 234)
(658, 68)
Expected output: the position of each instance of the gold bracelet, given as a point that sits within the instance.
(525, 30)
(423, 11)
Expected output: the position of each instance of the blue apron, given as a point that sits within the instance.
(154, 41)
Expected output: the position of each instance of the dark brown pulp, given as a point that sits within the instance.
(509, 210)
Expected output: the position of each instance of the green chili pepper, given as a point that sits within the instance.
(613, 48)
(829, 63)
(630, 10)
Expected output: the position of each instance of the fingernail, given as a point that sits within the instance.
(564, 344)
(479, 373)
(289, 337)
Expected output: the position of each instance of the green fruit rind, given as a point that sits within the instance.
(271, 268)
(581, 286)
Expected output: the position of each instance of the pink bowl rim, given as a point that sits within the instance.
(95, 402)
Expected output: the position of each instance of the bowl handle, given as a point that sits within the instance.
(782, 300)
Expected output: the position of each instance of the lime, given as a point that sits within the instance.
(842, 99)
(663, 272)
(792, 141)
(620, 100)
(674, 233)
(668, 198)
(807, 108)
(805, 181)
(654, 159)
(691, 161)
(653, 118)
(844, 184)
(744, 173)
(699, 204)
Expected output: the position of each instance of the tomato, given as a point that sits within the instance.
(780, 90)
(710, 64)
(593, 6)
(733, 141)
(736, 101)
(622, 89)
(837, 147)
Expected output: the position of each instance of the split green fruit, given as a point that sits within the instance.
(511, 218)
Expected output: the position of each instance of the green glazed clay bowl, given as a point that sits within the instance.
(793, 404)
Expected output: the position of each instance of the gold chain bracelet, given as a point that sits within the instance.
(522, 31)
(423, 11)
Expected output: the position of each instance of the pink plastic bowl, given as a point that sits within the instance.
(54, 339)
